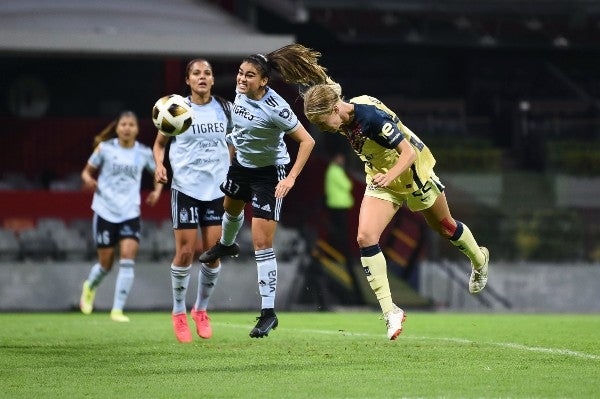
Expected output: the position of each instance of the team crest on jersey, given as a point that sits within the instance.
(184, 216)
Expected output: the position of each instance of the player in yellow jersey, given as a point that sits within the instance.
(399, 169)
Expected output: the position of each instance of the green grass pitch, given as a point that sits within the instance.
(310, 355)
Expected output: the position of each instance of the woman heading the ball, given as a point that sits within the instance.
(399, 169)
(258, 174)
(118, 161)
(199, 158)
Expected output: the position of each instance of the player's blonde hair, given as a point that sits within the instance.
(320, 99)
(110, 131)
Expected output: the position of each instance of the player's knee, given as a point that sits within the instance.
(184, 256)
(366, 239)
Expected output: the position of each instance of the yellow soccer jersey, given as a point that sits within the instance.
(374, 133)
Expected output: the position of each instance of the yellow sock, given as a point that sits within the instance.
(465, 242)
(375, 268)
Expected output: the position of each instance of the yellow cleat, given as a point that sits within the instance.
(86, 302)
(117, 315)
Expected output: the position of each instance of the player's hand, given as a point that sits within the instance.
(160, 174)
(284, 186)
(382, 180)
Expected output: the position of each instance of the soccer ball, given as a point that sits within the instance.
(172, 115)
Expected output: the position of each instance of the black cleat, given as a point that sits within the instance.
(219, 251)
(266, 322)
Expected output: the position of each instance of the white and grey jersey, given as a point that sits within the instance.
(199, 157)
(117, 197)
(259, 127)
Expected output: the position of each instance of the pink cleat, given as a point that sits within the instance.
(202, 323)
(180, 325)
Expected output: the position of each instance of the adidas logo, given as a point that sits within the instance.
(266, 208)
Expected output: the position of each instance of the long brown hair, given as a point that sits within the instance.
(300, 65)
(294, 62)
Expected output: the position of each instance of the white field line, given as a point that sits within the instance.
(552, 351)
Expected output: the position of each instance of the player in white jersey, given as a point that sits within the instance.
(261, 119)
(118, 164)
(199, 160)
(399, 169)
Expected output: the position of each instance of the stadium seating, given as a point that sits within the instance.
(36, 245)
(9, 245)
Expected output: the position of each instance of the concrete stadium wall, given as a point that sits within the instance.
(517, 287)
(56, 286)
(526, 287)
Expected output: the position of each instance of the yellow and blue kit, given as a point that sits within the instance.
(374, 134)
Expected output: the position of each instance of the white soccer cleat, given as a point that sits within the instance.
(393, 321)
(479, 278)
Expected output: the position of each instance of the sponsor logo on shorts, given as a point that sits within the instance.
(255, 204)
(210, 216)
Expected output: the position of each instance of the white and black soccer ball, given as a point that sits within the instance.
(172, 115)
